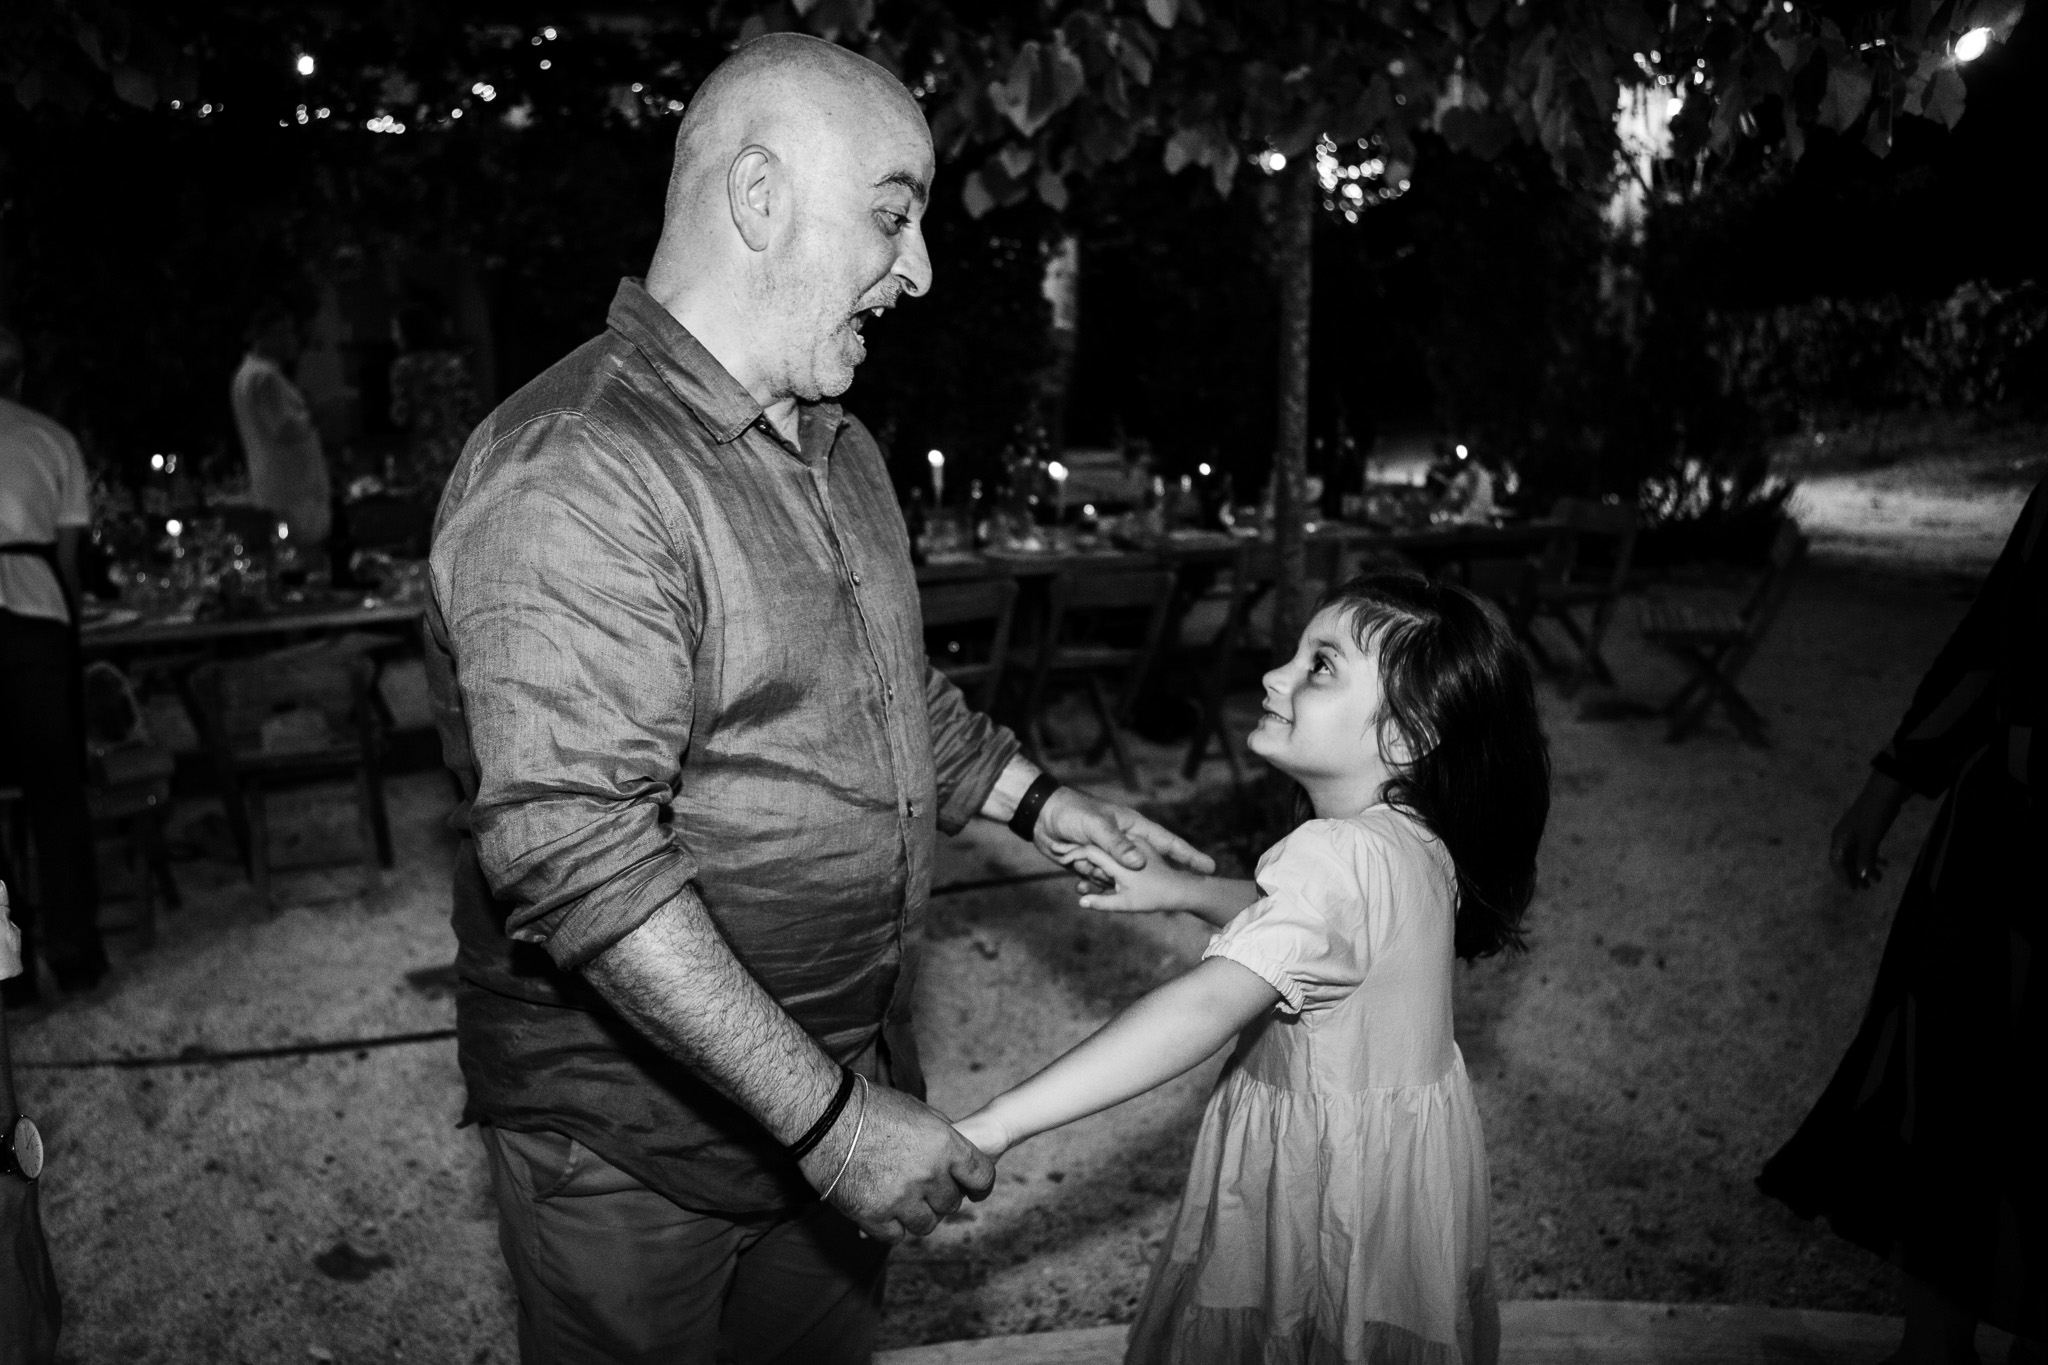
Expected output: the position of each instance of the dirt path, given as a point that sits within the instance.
(1693, 979)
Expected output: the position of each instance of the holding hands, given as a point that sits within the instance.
(898, 1167)
(1170, 1030)
(1073, 823)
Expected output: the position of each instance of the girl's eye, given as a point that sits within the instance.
(1322, 664)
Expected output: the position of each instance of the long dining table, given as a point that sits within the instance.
(126, 633)
(1454, 546)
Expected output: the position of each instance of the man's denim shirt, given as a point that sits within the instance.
(673, 657)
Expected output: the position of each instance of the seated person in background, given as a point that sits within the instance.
(287, 468)
(44, 513)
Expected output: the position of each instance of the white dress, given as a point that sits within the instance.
(1336, 1208)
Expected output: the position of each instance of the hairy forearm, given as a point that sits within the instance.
(676, 980)
(1171, 1030)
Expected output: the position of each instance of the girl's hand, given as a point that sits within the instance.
(981, 1129)
(1109, 885)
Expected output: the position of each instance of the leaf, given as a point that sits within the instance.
(1015, 160)
(1053, 190)
(88, 39)
(1044, 79)
(974, 196)
(136, 87)
(1183, 149)
(1164, 13)
(28, 91)
(1011, 96)
(1483, 135)
(1224, 171)
(1481, 12)
(1945, 97)
(1135, 61)
(1792, 49)
(1848, 92)
(1878, 136)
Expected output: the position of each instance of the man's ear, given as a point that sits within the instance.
(756, 190)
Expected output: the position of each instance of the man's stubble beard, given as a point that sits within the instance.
(810, 336)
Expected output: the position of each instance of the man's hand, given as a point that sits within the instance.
(983, 1130)
(1156, 886)
(910, 1169)
(10, 939)
(1852, 849)
(1072, 821)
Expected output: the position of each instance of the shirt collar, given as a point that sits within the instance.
(694, 375)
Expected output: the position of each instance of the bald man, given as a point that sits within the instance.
(679, 668)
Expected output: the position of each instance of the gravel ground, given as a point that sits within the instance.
(1693, 978)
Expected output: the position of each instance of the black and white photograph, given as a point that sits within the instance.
(1023, 682)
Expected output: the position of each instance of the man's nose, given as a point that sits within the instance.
(914, 264)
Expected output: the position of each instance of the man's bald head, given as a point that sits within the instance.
(801, 174)
(787, 91)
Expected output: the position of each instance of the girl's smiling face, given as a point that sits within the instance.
(1321, 717)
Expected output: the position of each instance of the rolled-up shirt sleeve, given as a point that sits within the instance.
(571, 631)
(969, 751)
(1306, 937)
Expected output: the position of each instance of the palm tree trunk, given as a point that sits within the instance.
(1293, 232)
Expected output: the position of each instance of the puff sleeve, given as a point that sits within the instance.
(1307, 936)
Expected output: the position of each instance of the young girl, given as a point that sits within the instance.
(1336, 1209)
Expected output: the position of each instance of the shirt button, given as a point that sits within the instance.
(856, 577)
(892, 691)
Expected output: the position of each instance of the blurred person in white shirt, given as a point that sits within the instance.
(45, 513)
(287, 467)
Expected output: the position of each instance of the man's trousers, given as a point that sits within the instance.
(609, 1272)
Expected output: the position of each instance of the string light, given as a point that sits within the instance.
(1971, 45)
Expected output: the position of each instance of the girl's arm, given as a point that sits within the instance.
(1160, 886)
(1170, 1031)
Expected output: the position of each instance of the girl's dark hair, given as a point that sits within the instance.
(1458, 692)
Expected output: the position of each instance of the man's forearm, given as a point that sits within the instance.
(676, 980)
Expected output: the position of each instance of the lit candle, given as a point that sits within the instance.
(937, 460)
(1059, 483)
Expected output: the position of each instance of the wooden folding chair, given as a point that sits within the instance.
(1071, 649)
(1717, 643)
(288, 718)
(128, 786)
(1562, 584)
(1252, 572)
(954, 610)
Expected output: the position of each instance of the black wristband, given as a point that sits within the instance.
(1025, 821)
(808, 1143)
